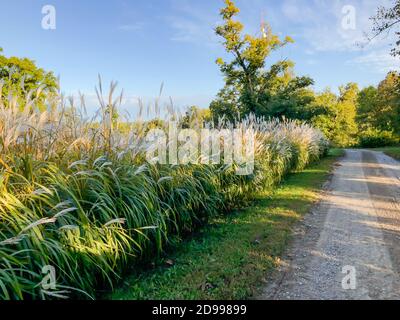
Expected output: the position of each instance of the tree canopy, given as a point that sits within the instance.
(20, 77)
(337, 115)
(249, 86)
(379, 107)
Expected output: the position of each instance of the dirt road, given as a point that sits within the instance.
(348, 247)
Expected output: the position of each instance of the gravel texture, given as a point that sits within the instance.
(356, 225)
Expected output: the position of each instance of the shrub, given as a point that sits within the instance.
(373, 138)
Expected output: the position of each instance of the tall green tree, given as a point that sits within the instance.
(226, 105)
(379, 107)
(195, 117)
(388, 108)
(337, 115)
(367, 111)
(249, 53)
(20, 77)
(249, 87)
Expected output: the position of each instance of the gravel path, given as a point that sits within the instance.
(356, 226)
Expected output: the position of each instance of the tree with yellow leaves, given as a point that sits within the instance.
(249, 87)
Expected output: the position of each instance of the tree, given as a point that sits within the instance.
(20, 77)
(195, 117)
(249, 86)
(367, 111)
(388, 108)
(287, 96)
(246, 71)
(337, 115)
(347, 111)
(379, 107)
(385, 20)
(226, 105)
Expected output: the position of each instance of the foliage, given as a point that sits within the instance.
(226, 105)
(389, 102)
(22, 78)
(379, 108)
(231, 257)
(249, 87)
(277, 92)
(337, 115)
(249, 52)
(373, 138)
(367, 109)
(77, 194)
(195, 117)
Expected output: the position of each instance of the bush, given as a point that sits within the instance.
(374, 138)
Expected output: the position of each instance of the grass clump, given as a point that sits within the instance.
(232, 256)
(77, 194)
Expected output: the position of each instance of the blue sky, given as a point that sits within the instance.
(145, 43)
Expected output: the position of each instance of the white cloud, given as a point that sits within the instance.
(318, 23)
(296, 12)
(321, 23)
(191, 31)
(131, 27)
(311, 62)
(193, 24)
(377, 61)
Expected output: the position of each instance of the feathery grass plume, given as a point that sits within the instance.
(77, 194)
